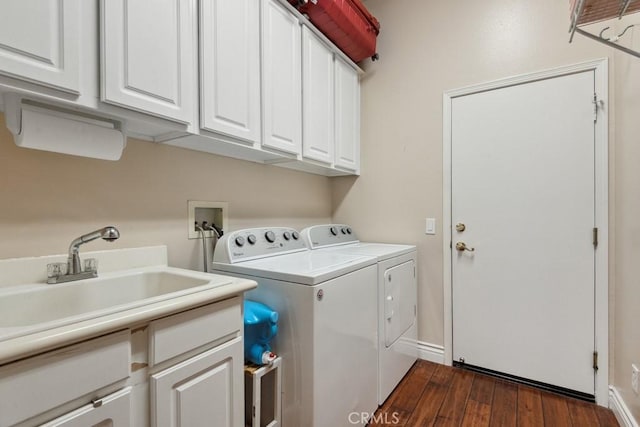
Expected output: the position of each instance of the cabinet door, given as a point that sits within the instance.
(281, 76)
(347, 116)
(318, 99)
(39, 42)
(230, 67)
(111, 411)
(149, 56)
(206, 390)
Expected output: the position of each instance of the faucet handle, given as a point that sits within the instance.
(91, 264)
(56, 269)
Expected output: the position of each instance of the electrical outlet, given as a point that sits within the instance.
(211, 212)
(634, 378)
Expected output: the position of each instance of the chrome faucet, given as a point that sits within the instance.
(73, 267)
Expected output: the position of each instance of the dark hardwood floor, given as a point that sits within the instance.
(438, 395)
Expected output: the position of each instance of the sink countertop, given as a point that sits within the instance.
(22, 341)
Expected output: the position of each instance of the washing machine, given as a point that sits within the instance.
(327, 330)
(397, 295)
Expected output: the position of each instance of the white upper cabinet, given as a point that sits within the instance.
(347, 116)
(281, 78)
(39, 42)
(230, 67)
(318, 99)
(148, 56)
(249, 79)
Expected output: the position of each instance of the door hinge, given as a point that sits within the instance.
(595, 360)
(595, 237)
(595, 108)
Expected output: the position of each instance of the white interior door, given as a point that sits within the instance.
(522, 184)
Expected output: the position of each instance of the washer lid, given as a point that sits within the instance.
(307, 268)
(381, 251)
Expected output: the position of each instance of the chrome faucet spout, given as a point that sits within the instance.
(74, 268)
(109, 233)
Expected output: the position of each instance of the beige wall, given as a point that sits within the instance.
(429, 47)
(47, 199)
(627, 217)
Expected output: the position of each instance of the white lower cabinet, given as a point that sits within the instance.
(111, 411)
(185, 369)
(205, 390)
(32, 387)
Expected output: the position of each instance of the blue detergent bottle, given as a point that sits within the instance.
(260, 326)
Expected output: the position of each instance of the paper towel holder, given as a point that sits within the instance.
(51, 128)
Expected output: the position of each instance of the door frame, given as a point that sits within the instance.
(601, 88)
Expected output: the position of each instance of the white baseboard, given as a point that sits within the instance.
(431, 352)
(620, 409)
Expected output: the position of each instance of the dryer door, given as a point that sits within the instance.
(399, 296)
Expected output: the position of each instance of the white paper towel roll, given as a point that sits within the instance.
(62, 132)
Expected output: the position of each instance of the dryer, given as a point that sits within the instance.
(327, 334)
(397, 295)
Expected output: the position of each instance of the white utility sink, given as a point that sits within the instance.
(49, 306)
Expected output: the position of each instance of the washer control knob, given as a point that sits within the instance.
(286, 235)
(334, 231)
(344, 230)
(251, 238)
(348, 230)
(295, 235)
(240, 241)
(270, 236)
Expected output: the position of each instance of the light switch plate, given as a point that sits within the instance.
(634, 378)
(430, 226)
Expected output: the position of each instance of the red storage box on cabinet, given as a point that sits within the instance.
(347, 23)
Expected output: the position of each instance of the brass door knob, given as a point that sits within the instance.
(460, 227)
(462, 246)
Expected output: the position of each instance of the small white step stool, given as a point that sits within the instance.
(262, 394)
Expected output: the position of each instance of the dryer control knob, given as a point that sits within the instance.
(334, 231)
(295, 235)
(348, 230)
(344, 230)
(240, 241)
(286, 235)
(270, 236)
(252, 239)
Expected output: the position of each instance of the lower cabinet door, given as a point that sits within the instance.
(206, 390)
(110, 411)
